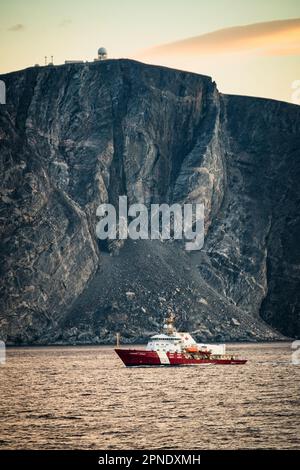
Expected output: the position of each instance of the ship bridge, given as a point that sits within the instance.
(170, 343)
(174, 342)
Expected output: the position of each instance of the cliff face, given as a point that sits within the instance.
(75, 136)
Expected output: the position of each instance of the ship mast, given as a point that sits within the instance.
(169, 323)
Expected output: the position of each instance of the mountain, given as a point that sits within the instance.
(77, 135)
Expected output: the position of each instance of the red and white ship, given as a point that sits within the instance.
(172, 348)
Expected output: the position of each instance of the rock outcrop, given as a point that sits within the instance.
(75, 136)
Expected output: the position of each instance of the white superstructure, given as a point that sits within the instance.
(173, 341)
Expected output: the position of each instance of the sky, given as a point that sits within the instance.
(247, 46)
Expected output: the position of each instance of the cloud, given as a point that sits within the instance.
(272, 38)
(16, 27)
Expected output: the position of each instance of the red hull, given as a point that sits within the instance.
(141, 357)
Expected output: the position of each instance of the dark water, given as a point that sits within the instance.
(66, 398)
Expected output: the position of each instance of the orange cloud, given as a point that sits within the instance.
(272, 38)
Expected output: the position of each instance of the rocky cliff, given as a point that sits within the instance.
(75, 136)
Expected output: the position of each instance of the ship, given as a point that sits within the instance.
(173, 348)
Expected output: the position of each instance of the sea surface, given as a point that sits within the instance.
(84, 398)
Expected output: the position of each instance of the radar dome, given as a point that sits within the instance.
(102, 53)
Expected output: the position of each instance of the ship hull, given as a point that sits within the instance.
(143, 358)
